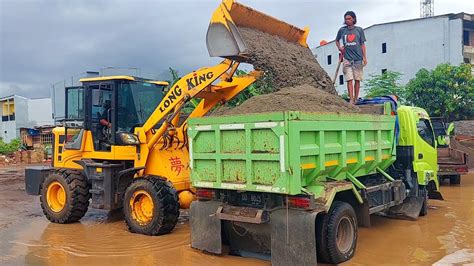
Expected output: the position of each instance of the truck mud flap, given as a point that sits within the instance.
(293, 237)
(435, 194)
(409, 209)
(205, 226)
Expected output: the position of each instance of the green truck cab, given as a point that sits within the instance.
(295, 186)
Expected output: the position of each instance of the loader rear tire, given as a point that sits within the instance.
(151, 206)
(65, 196)
(337, 234)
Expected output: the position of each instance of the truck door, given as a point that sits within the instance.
(425, 161)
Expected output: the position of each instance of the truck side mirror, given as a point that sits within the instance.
(450, 130)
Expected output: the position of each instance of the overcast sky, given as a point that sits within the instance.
(43, 42)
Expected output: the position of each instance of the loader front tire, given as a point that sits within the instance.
(65, 196)
(337, 234)
(151, 206)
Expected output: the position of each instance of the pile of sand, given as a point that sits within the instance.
(287, 64)
(300, 98)
(299, 81)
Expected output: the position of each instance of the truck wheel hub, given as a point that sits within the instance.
(345, 235)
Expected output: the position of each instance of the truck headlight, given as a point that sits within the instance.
(126, 138)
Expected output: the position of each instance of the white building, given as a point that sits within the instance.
(409, 45)
(20, 112)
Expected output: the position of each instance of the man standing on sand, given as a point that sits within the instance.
(353, 49)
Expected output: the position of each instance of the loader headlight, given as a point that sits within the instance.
(126, 138)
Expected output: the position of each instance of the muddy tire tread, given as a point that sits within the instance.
(321, 238)
(168, 209)
(338, 209)
(78, 188)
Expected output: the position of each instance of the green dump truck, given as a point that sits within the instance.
(295, 186)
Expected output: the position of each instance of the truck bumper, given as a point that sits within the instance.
(34, 177)
(289, 236)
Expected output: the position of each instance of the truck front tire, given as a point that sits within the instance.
(337, 234)
(455, 179)
(151, 206)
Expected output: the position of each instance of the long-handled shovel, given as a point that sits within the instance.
(341, 56)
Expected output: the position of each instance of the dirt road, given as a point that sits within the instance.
(446, 235)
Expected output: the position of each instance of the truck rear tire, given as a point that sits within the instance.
(151, 206)
(65, 196)
(337, 234)
(455, 179)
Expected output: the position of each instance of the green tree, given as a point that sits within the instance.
(345, 95)
(263, 85)
(446, 91)
(384, 84)
(9, 148)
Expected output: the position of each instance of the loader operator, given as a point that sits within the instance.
(353, 49)
(104, 125)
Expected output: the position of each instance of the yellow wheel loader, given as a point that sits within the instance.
(124, 141)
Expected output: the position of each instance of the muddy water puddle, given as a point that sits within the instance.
(101, 238)
(445, 236)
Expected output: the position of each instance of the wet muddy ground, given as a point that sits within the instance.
(446, 235)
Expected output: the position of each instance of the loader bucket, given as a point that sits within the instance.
(224, 40)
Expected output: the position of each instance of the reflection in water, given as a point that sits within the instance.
(102, 237)
(445, 235)
(448, 227)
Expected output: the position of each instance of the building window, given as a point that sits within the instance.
(465, 37)
(384, 71)
(341, 79)
(329, 59)
(384, 48)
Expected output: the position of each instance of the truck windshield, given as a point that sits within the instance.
(136, 102)
(425, 131)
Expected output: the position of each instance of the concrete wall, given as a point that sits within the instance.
(8, 131)
(40, 112)
(411, 45)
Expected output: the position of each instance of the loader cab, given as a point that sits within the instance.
(109, 108)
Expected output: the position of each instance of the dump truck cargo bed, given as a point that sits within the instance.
(452, 164)
(287, 152)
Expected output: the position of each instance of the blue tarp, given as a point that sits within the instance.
(383, 99)
(33, 132)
